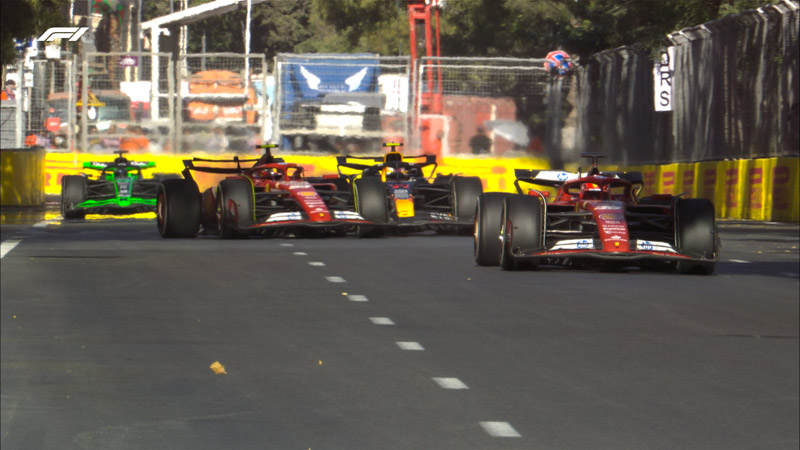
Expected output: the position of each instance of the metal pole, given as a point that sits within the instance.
(70, 67)
(155, 35)
(247, 49)
(18, 138)
(84, 102)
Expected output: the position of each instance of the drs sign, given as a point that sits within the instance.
(663, 75)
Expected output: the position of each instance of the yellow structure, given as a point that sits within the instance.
(765, 189)
(22, 182)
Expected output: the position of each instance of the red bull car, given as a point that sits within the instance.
(264, 196)
(595, 218)
(393, 193)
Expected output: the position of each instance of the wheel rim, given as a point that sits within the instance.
(161, 211)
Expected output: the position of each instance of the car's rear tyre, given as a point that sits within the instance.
(487, 243)
(370, 195)
(696, 234)
(521, 228)
(73, 192)
(178, 208)
(235, 206)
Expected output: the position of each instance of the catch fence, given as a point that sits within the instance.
(223, 102)
(502, 101)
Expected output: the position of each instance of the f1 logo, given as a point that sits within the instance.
(71, 33)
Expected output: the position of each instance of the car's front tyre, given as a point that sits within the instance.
(521, 228)
(178, 208)
(73, 192)
(487, 243)
(696, 234)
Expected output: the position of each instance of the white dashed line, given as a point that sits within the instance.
(45, 223)
(7, 246)
(301, 253)
(316, 263)
(500, 429)
(357, 298)
(413, 346)
(286, 245)
(381, 321)
(335, 279)
(450, 383)
(739, 261)
(790, 274)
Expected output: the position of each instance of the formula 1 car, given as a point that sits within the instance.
(594, 217)
(396, 194)
(118, 189)
(269, 198)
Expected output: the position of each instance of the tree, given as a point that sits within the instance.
(26, 19)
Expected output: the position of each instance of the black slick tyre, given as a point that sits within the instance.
(696, 235)
(178, 208)
(464, 193)
(486, 234)
(235, 206)
(521, 228)
(370, 195)
(73, 192)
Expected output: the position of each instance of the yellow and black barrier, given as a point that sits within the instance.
(23, 176)
(765, 189)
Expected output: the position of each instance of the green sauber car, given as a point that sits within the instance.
(119, 188)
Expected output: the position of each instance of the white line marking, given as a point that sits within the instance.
(790, 274)
(413, 346)
(500, 429)
(7, 246)
(740, 261)
(335, 279)
(44, 223)
(381, 320)
(301, 253)
(357, 298)
(450, 383)
(316, 263)
(286, 245)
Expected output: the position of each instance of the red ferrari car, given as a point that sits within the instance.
(270, 197)
(595, 217)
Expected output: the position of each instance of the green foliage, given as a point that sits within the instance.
(23, 19)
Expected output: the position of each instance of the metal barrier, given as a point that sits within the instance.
(734, 94)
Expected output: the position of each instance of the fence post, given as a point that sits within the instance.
(171, 98)
(179, 105)
(20, 100)
(69, 75)
(84, 100)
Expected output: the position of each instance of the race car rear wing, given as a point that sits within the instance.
(555, 178)
(343, 161)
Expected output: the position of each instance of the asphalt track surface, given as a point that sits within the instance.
(109, 332)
